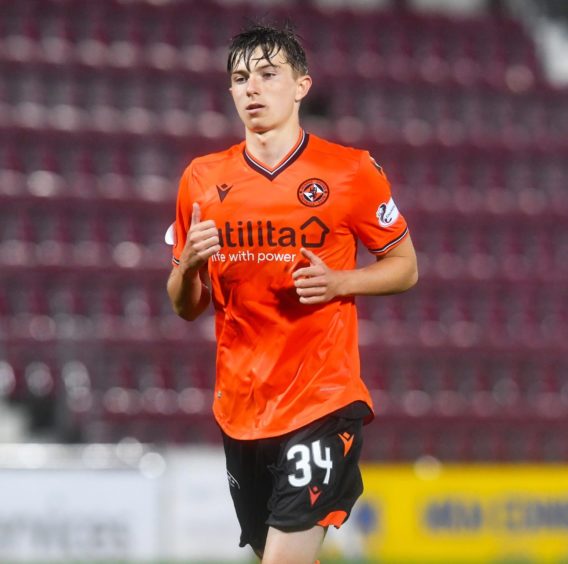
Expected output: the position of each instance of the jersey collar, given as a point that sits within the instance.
(294, 153)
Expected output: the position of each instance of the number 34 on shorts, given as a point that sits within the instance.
(304, 457)
(326, 464)
(317, 478)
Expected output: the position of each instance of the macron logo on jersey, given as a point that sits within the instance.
(223, 190)
(387, 213)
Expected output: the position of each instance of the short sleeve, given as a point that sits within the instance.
(375, 218)
(178, 230)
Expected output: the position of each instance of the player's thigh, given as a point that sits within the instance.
(317, 478)
(297, 547)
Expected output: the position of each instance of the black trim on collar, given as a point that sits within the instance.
(272, 174)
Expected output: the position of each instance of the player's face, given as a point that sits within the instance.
(267, 96)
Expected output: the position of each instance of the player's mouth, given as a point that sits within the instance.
(252, 108)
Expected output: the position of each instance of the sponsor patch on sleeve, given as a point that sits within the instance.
(387, 213)
(170, 236)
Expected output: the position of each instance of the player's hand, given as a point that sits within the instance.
(202, 242)
(317, 283)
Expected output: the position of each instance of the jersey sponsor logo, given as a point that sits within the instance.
(387, 213)
(223, 190)
(311, 234)
(313, 192)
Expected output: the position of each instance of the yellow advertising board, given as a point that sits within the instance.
(484, 513)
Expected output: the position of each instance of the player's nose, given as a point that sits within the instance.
(252, 85)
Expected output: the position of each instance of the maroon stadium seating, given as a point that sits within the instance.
(103, 103)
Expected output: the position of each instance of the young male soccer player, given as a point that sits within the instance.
(268, 229)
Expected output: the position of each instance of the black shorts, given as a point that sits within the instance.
(296, 481)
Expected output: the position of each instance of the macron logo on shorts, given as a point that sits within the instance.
(347, 442)
(315, 492)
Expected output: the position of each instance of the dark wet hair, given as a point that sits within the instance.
(271, 39)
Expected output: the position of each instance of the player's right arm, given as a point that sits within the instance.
(187, 285)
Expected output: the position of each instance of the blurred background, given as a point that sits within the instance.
(108, 450)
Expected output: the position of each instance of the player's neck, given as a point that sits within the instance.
(270, 147)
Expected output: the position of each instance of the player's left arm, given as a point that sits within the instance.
(394, 272)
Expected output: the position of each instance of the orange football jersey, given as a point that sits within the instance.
(282, 364)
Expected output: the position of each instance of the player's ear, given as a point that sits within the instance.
(303, 85)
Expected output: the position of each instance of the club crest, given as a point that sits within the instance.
(313, 192)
